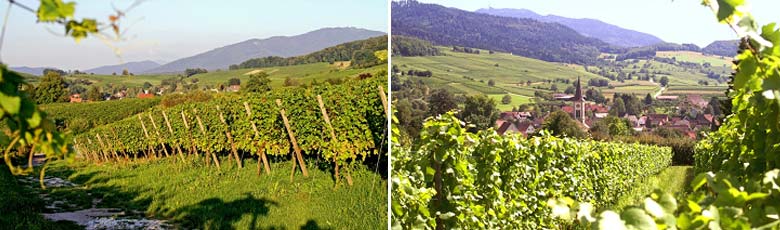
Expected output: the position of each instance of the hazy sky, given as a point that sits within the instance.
(679, 21)
(166, 30)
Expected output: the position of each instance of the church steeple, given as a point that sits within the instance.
(578, 92)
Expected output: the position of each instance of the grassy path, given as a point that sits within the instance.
(194, 196)
(674, 180)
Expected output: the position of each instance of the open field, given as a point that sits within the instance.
(302, 73)
(464, 73)
(700, 90)
(697, 57)
(191, 195)
(453, 70)
(516, 101)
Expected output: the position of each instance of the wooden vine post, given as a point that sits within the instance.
(383, 96)
(121, 145)
(261, 149)
(189, 133)
(230, 138)
(332, 140)
(97, 155)
(203, 132)
(170, 130)
(159, 137)
(294, 142)
(111, 147)
(102, 146)
(146, 134)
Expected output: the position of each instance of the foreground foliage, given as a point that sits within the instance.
(738, 184)
(457, 179)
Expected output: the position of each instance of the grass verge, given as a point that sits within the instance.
(193, 195)
(674, 180)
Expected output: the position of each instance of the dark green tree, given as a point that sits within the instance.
(648, 99)
(51, 89)
(480, 111)
(258, 83)
(664, 81)
(441, 101)
(506, 99)
(618, 107)
(560, 123)
(94, 94)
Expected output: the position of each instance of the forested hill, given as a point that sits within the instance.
(409, 46)
(726, 48)
(359, 53)
(606, 32)
(524, 37)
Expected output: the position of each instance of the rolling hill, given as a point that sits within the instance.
(282, 46)
(37, 71)
(589, 27)
(726, 48)
(132, 67)
(525, 37)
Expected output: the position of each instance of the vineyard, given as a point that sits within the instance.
(344, 124)
(80, 117)
(457, 179)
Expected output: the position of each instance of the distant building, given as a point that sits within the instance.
(524, 128)
(145, 95)
(75, 98)
(666, 98)
(578, 102)
(234, 88)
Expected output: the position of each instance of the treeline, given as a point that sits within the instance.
(465, 50)
(525, 37)
(409, 47)
(359, 53)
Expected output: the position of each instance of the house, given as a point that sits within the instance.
(75, 98)
(697, 100)
(234, 88)
(562, 97)
(144, 95)
(655, 120)
(666, 98)
(524, 128)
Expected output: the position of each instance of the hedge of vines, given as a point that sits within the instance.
(80, 117)
(355, 110)
(457, 179)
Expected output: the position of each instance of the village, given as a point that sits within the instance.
(688, 115)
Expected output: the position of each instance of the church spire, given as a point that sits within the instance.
(578, 92)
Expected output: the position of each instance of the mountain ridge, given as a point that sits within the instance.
(282, 46)
(588, 27)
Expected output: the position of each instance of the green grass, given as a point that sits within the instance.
(302, 73)
(510, 75)
(463, 73)
(516, 101)
(696, 57)
(193, 195)
(674, 180)
(20, 208)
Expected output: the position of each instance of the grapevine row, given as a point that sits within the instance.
(457, 179)
(253, 123)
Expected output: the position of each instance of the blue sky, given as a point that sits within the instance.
(165, 30)
(679, 21)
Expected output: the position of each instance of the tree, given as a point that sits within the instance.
(506, 99)
(618, 107)
(94, 94)
(569, 90)
(51, 89)
(234, 81)
(440, 102)
(147, 85)
(554, 88)
(491, 82)
(664, 81)
(258, 83)
(76, 89)
(480, 111)
(560, 123)
(125, 72)
(648, 99)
